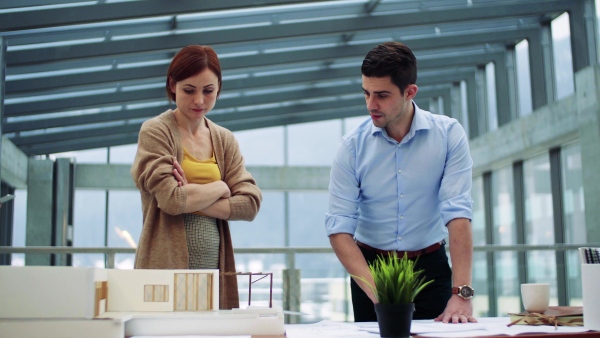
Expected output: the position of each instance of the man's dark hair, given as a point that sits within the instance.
(393, 59)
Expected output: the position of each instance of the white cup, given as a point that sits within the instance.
(535, 296)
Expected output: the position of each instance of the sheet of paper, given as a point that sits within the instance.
(329, 329)
(433, 327)
(484, 327)
(425, 328)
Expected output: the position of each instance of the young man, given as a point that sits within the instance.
(400, 183)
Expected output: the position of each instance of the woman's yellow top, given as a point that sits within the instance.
(200, 172)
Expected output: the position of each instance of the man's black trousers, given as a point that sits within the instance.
(429, 304)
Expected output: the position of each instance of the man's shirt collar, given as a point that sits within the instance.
(419, 122)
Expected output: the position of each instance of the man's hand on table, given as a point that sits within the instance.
(457, 310)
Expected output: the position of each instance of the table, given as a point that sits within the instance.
(487, 327)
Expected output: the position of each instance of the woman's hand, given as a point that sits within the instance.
(178, 173)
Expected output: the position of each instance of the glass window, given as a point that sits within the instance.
(574, 217)
(313, 143)
(352, 122)
(480, 278)
(523, 78)
(539, 222)
(573, 198)
(563, 60)
(19, 225)
(324, 287)
(89, 225)
(124, 224)
(478, 221)
(492, 107)
(262, 146)
(85, 156)
(506, 265)
(267, 229)
(123, 154)
(307, 218)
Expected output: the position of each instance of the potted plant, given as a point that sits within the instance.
(396, 286)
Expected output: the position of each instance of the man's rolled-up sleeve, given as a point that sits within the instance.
(455, 190)
(344, 194)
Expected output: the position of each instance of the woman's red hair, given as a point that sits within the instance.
(190, 61)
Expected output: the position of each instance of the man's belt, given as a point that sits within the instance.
(411, 254)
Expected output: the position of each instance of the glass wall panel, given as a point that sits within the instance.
(89, 225)
(123, 154)
(124, 223)
(563, 60)
(317, 149)
(352, 122)
(85, 156)
(307, 219)
(19, 225)
(505, 233)
(323, 276)
(523, 78)
(481, 303)
(323, 287)
(539, 223)
(267, 229)
(574, 217)
(124, 261)
(490, 85)
(262, 146)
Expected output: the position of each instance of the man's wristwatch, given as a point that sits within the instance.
(463, 291)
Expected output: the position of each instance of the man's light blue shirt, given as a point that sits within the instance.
(400, 196)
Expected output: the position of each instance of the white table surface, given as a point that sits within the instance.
(425, 328)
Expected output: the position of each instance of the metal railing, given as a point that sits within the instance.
(289, 252)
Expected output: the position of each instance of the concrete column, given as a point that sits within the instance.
(472, 105)
(503, 107)
(588, 109)
(538, 64)
(39, 209)
(512, 87)
(291, 289)
(584, 34)
(455, 102)
(548, 63)
(447, 103)
(63, 200)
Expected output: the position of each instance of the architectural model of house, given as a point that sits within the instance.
(38, 301)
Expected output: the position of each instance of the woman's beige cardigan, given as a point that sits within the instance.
(163, 241)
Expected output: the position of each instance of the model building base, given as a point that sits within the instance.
(252, 321)
(89, 302)
(62, 328)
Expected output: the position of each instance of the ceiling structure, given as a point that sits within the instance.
(86, 74)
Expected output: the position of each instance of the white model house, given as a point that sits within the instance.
(92, 302)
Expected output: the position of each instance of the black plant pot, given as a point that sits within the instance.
(394, 319)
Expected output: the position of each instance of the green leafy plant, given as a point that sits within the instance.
(396, 281)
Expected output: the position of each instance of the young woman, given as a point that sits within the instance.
(192, 177)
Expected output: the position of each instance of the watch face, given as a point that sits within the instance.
(466, 292)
